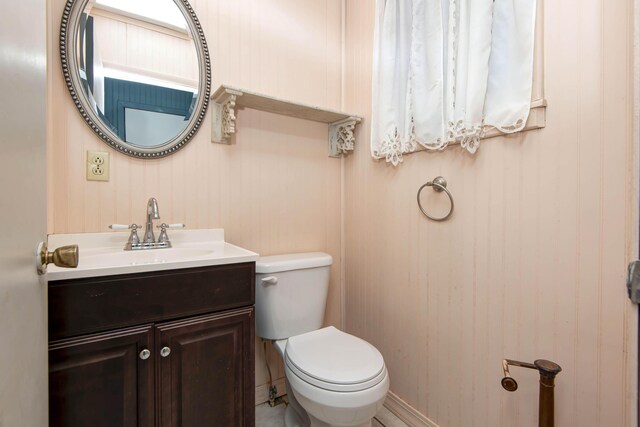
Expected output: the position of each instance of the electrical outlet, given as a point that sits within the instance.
(97, 166)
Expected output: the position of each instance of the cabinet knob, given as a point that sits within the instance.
(145, 354)
(165, 351)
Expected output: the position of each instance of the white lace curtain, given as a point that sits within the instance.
(449, 70)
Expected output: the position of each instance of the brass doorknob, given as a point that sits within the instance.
(65, 256)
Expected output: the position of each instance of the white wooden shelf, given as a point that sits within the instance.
(226, 99)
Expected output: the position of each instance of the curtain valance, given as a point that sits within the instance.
(447, 71)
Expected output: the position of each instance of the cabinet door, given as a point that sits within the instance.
(206, 372)
(102, 380)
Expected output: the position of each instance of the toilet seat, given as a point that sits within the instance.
(333, 360)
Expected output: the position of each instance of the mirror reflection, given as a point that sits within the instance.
(138, 66)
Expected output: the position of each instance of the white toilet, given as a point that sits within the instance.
(332, 378)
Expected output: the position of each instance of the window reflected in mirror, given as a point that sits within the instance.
(138, 65)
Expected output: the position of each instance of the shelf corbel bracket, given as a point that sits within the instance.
(341, 136)
(223, 115)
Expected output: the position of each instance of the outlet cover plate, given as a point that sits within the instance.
(97, 165)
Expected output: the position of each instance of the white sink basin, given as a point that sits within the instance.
(102, 254)
(149, 256)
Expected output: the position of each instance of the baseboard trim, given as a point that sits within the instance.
(262, 391)
(406, 413)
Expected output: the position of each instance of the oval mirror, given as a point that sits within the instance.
(138, 71)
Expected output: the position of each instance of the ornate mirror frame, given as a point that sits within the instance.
(69, 28)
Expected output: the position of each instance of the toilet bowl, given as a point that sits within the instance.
(332, 378)
(338, 379)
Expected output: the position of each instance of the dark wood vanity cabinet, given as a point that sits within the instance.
(100, 381)
(201, 379)
(173, 370)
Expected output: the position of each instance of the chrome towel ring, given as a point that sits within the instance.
(439, 185)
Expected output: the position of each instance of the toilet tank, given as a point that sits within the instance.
(291, 293)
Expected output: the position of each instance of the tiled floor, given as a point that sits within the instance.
(267, 416)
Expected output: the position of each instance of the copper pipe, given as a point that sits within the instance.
(548, 371)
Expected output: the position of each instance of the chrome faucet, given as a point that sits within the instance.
(149, 240)
(152, 213)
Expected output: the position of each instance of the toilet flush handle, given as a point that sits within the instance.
(271, 280)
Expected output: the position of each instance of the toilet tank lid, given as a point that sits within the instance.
(287, 262)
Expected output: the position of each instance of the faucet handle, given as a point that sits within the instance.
(164, 237)
(119, 227)
(123, 226)
(133, 237)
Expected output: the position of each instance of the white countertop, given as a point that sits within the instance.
(102, 254)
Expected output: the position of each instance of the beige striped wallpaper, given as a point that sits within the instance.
(531, 265)
(273, 191)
